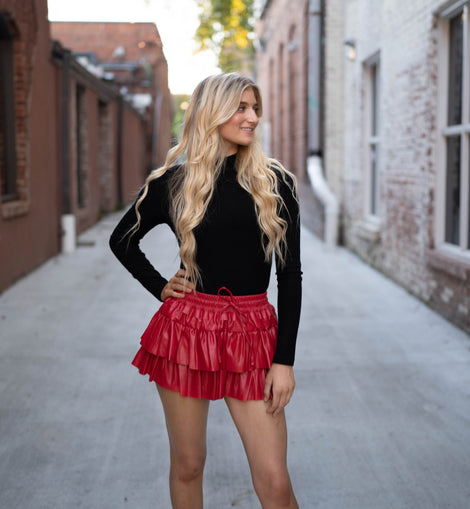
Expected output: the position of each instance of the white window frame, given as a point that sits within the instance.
(372, 140)
(462, 251)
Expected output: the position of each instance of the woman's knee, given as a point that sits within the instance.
(188, 467)
(274, 486)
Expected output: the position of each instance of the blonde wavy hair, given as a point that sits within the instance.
(202, 148)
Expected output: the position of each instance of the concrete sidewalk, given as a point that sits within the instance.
(380, 417)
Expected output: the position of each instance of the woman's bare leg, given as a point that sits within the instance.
(186, 422)
(265, 440)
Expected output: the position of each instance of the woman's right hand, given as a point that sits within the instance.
(177, 286)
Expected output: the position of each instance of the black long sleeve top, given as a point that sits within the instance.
(229, 248)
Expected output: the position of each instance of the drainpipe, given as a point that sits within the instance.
(314, 77)
(315, 116)
(327, 198)
(68, 221)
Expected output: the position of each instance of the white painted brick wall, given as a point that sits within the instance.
(405, 34)
(334, 93)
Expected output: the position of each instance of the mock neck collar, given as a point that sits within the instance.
(229, 162)
(231, 159)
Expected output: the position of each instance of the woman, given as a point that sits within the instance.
(215, 335)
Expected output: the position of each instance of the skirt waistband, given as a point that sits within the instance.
(221, 300)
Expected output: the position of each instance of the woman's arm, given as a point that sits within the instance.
(280, 382)
(126, 246)
(289, 280)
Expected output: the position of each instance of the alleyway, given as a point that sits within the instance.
(380, 417)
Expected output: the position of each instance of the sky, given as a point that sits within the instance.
(176, 21)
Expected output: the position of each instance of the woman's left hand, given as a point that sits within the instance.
(280, 383)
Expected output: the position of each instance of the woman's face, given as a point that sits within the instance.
(240, 129)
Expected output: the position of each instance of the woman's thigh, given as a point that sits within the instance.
(186, 421)
(264, 437)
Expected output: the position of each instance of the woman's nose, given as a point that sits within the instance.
(252, 116)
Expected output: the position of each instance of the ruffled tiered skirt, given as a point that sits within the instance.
(210, 346)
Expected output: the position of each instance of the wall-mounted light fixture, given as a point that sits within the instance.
(292, 46)
(350, 48)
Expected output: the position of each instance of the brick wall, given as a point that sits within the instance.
(141, 45)
(405, 34)
(106, 159)
(105, 133)
(48, 126)
(25, 22)
(29, 225)
(281, 72)
(133, 155)
(333, 99)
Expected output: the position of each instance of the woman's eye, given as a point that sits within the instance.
(241, 108)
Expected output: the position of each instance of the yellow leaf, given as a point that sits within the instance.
(238, 5)
(234, 22)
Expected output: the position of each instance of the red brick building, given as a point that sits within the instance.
(30, 194)
(101, 142)
(282, 74)
(70, 144)
(289, 62)
(131, 54)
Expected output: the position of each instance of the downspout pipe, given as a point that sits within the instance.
(315, 104)
(315, 122)
(326, 197)
(68, 220)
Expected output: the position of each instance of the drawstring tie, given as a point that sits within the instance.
(230, 302)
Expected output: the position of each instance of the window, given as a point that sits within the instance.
(371, 132)
(453, 221)
(7, 113)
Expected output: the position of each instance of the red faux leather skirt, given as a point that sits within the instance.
(210, 346)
